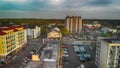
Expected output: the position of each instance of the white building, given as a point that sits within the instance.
(109, 30)
(33, 31)
(108, 53)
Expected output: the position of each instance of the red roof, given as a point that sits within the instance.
(9, 28)
(15, 30)
(2, 33)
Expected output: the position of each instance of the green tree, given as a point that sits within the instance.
(107, 34)
(44, 31)
(64, 31)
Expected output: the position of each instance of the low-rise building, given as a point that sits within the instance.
(11, 39)
(54, 34)
(108, 53)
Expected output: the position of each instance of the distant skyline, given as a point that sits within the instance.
(59, 9)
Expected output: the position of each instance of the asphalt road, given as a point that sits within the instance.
(18, 62)
(74, 61)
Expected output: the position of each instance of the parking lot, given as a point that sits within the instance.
(73, 60)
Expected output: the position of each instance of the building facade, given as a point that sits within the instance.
(54, 34)
(33, 31)
(11, 38)
(108, 53)
(73, 24)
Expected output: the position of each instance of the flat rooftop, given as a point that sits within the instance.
(112, 40)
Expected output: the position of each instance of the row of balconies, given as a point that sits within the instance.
(21, 42)
(7, 42)
(97, 50)
(112, 65)
(20, 37)
(111, 57)
(11, 44)
(97, 58)
(21, 33)
(10, 37)
(11, 48)
(96, 62)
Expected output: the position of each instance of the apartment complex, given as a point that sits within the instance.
(108, 53)
(33, 31)
(73, 24)
(11, 39)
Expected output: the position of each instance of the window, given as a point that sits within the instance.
(2, 38)
(3, 46)
(3, 42)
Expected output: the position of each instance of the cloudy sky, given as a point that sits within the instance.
(49, 9)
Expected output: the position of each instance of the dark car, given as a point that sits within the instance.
(65, 59)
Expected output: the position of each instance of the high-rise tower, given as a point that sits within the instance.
(73, 24)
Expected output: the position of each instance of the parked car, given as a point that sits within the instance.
(65, 49)
(87, 55)
(65, 52)
(63, 46)
(65, 55)
(31, 52)
(76, 49)
(65, 59)
(26, 60)
(2, 61)
(82, 58)
(91, 48)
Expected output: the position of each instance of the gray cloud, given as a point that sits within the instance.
(100, 2)
(47, 9)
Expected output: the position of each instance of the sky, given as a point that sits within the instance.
(59, 9)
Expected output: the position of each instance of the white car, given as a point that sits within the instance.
(65, 55)
(65, 52)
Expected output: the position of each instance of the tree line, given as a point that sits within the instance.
(38, 22)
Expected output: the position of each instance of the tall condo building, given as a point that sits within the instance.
(12, 38)
(108, 53)
(73, 24)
